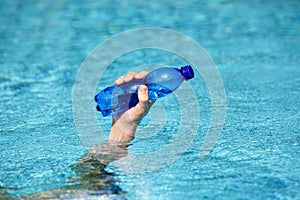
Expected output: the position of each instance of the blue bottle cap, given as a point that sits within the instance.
(187, 72)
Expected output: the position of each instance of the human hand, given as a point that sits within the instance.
(125, 124)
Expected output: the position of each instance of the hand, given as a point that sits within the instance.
(125, 124)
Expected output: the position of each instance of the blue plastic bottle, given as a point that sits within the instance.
(115, 100)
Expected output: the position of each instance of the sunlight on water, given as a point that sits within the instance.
(256, 48)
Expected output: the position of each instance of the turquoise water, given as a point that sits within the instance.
(256, 47)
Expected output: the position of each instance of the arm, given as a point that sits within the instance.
(90, 168)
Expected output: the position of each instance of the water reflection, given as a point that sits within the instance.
(90, 168)
(92, 179)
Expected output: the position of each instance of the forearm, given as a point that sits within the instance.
(122, 131)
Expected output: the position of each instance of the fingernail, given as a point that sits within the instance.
(139, 76)
(127, 77)
(143, 89)
(117, 82)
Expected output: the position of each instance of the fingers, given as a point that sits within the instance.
(130, 76)
(119, 81)
(141, 75)
(123, 79)
(143, 95)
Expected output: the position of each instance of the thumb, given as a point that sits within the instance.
(140, 108)
(143, 98)
(136, 113)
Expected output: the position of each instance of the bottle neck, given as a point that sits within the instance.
(181, 73)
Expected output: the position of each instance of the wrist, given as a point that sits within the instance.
(122, 132)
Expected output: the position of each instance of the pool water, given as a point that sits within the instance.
(255, 46)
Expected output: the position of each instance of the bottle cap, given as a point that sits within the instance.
(187, 72)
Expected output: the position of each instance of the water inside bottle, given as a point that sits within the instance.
(157, 90)
(126, 101)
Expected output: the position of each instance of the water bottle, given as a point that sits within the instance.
(115, 100)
